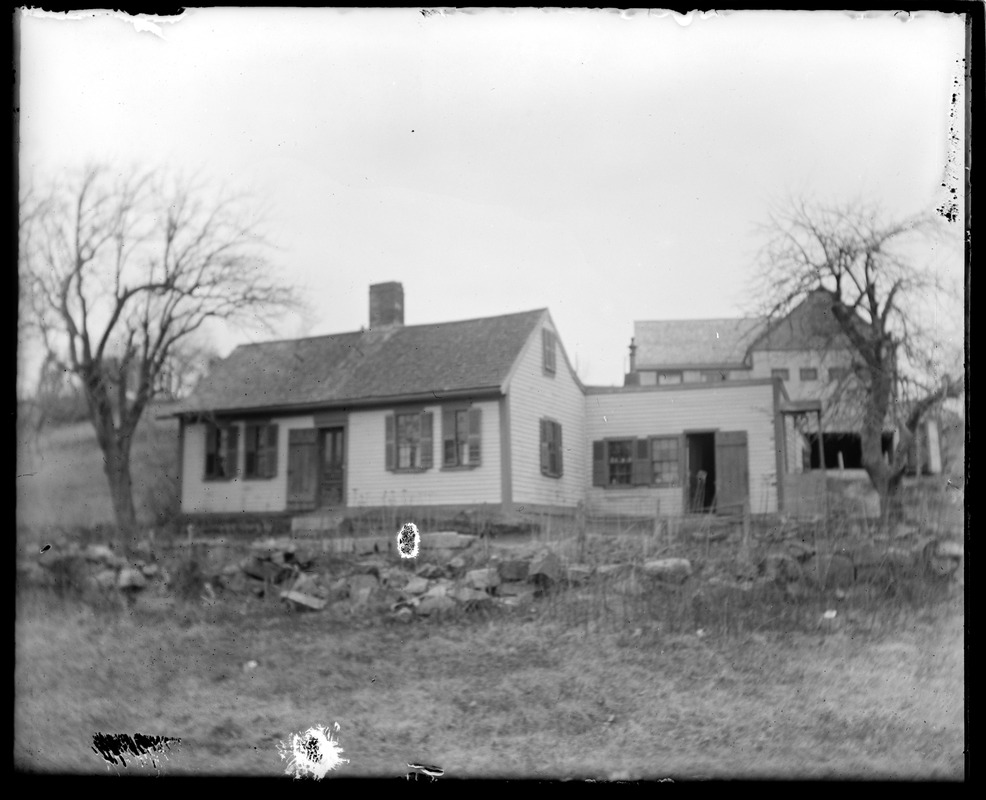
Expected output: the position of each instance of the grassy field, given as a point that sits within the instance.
(61, 483)
(522, 695)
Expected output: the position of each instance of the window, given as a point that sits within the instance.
(664, 460)
(669, 378)
(548, 341)
(620, 461)
(408, 441)
(551, 448)
(809, 374)
(783, 373)
(837, 374)
(714, 375)
(648, 378)
(260, 451)
(461, 437)
(221, 451)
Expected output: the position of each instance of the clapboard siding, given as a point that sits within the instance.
(533, 396)
(239, 494)
(369, 483)
(671, 411)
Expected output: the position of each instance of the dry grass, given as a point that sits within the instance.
(520, 695)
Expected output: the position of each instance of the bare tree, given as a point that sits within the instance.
(118, 270)
(860, 260)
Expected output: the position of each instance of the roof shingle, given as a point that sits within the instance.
(368, 365)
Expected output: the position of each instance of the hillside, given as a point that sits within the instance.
(61, 483)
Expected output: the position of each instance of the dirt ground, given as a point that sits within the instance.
(514, 695)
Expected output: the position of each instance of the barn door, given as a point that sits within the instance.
(302, 469)
(732, 471)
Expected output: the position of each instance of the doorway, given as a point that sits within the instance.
(700, 454)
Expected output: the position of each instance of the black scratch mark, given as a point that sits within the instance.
(115, 748)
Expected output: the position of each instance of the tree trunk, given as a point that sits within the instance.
(117, 468)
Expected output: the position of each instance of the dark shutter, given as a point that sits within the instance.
(732, 470)
(599, 464)
(389, 436)
(641, 463)
(558, 448)
(427, 418)
(544, 446)
(210, 450)
(548, 342)
(270, 467)
(232, 452)
(475, 419)
(448, 437)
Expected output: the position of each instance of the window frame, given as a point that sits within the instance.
(675, 481)
(224, 450)
(551, 446)
(630, 442)
(424, 449)
(803, 371)
(663, 375)
(264, 454)
(470, 439)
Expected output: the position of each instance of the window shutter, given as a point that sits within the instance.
(599, 463)
(232, 451)
(210, 450)
(389, 435)
(544, 446)
(475, 418)
(448, 437)
(427, 418)
(641, 463)
(558, 448)
(270, 467)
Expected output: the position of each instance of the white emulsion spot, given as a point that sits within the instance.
(312, 753)
(408, 540)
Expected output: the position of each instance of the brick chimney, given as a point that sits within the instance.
(386, 304)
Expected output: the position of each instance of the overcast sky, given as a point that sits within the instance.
(608, 167)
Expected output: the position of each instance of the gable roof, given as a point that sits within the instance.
(810, 325)
(694, 343)
(346, 368)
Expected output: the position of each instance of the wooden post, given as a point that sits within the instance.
(746, 528)
(580, 529)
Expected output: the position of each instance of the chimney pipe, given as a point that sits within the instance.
(386, 305)
(633, 355)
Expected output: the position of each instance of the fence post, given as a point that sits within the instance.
(746, 528)
(580, 529)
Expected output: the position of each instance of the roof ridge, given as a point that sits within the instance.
(388, 328)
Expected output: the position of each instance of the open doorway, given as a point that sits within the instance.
(700, 452)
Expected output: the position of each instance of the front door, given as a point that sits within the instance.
(302, 469)
(333, 460)
(732, 471)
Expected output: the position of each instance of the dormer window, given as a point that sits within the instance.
(548, 341)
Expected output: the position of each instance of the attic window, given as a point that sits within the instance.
(809, 374)
(548, 341)
(783, 373)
